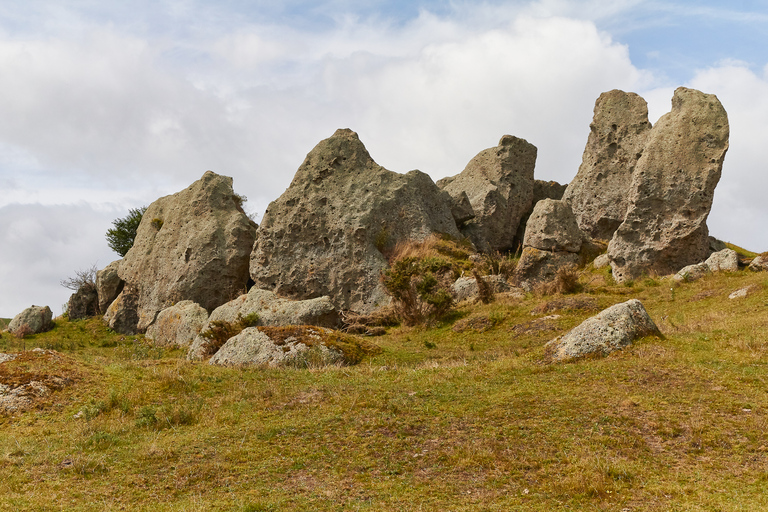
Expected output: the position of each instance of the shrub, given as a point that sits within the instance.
(497, 264)
(120, 238)
(219, 331)
(420, 276)
(566, 281)
(484, 290)
(82, 278)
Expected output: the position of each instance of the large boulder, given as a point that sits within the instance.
(611, 329)
(193, 245)
(108, 285)
(760, 263)
(672, 188)
(299, 346)
(178, 325)
(123, 313)
(537, 267)
(84, 302)
(499, 183)
(33, 320)
(270, 310)
(327, 233)
(617, 137)
(726, 260)
(552, 227)
(541, 190)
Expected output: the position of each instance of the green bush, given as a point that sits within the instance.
(420, 287)
(120, 238)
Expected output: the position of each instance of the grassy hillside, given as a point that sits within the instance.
(461, 417)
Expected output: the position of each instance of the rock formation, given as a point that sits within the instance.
(271, 310)
(726, 260)
(617, 137)
(327, 233)
(33, 320)
(541, 190)
(552, 241)
(83, 303)
(123, 313)
(178, 325)
(760, 263)
(672, 189)
(192, 245)
(611, 329)
(108, 285)
(499, 183)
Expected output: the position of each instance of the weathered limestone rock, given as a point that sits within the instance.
(552, 227)
(178, 325)
(601, 261)
(33, 320)
(465, 288)
(83, 303)
(760, 263)
(272, 311)
(325, 235)
(743, 292)
(611, 329)
(672, 189)
(303, 347)
(499, 183)
(726, 260)
(108, 285)
(461, 208)
(692, 273)
(536, 266)
(541, 190)
(618, 133)
(122, 314)
(192, 245)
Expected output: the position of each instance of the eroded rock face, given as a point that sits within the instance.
(499, 183)
(552, 227)
(672, 189)
(536, 266)
(617, 137)
(325, 235)
(272, 311)
(178, 325)
(541, 190)
(123, 313)
(611, 329)
(192, 245)
(33, 320)
(108, 285)
(83, 303)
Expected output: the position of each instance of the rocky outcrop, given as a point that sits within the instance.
(33, 320)
(123, 313)
(552, 241)
(327, 233)
(178, 325)
(618, 132)
(192, 245)
(108, 285)
(499, 183)
(465, 288)
(83, 303)
(302, 346)
(672, 189)
(760, 263)
(270, 310)
(541, 190)
(611, 329)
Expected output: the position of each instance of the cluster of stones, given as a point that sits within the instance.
(643, 192)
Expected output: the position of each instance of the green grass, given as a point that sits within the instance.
(440, 420)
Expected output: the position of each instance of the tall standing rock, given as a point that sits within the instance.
(499, 184)
(193, 245)
(326, 233)
(618, 133)
(672, 189)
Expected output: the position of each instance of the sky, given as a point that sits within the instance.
(108, 105)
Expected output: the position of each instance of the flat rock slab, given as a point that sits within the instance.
(611, 329)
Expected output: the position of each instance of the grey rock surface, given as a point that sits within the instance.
(601, 261)
(611, 329)
(760, 263)
(34, 319)
(122, 314)
(325, 235)
(552, 227)
(672, 190)
(83, 303)
(108, 285)
(253, 347)
(536, 266)
(178, 325)
(272, 311)
(691, 273)
(726, 260)
(465, 288)
(541, 190)
(598, 194)
(192, 245)
(499, 183)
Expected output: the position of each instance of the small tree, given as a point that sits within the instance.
(121, 237)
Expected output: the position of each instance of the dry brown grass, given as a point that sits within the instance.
(566, 281)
